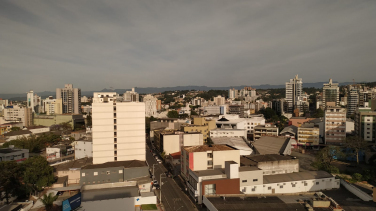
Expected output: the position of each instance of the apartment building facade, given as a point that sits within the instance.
(16, 113)
(196, 158)
(118, 129)
(265, 130)
(330, 94)
(308, 134)
(71, 99)
(352, 101)
(365, 123)
(150, 105)
(52, 106)
(335, 125)
(294, 90)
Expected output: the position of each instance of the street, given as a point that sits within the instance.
(172, 196)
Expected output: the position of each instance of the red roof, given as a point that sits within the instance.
(176, 155)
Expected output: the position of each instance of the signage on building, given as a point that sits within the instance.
(72, 202)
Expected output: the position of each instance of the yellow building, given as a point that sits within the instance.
(75, 120)
(308, 134)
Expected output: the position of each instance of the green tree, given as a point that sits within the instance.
(319, 113)
(38, 173)
(356, 144)
(9, 179)
(326, 156)
(48, 200)
(268, 112)
(209, 141)
(89, 121)
(15, 129)
(173, 114)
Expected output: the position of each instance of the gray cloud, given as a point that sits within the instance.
(97, 44)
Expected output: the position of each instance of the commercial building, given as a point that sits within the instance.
(204, 129)
(171, 141)
(330, 95)
(298, 121)
(13, 135)
(211, 110)
(74, 120)
(308, 134)
(52, 106)
(219, 132)
(71, 169)
(150, 105)
(118, 129)
(71, 99)
(364, 98)
(294, 90)
(131, 96)
(196, 158)
(236, 109)
(335, 125)
(113, 172)
(12, 154)
(265, 130)
(271, 164)
(365, 123)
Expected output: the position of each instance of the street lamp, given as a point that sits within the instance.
(160, 185)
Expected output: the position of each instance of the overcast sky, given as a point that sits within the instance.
(155, 43)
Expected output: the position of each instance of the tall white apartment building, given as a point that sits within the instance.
(131, 96)
(118, 130)
(52, 106)
(30, 100)
(233, 93)
(71, 99)
(294, 91)
(335, 125)
(34, 102)
(16, 113)
(352, 100)
(330, 96)
(219, 100)
(150, 105)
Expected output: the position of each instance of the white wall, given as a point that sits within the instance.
(228, 133)
(40, 130)
(51, 150)
(219, 157)
(83, 149)
(324, 184)
(118, 204)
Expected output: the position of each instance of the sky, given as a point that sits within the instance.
(156, 43)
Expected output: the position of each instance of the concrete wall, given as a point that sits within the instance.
(73, 175)
(287, 187)
(279, 167)
(219, 157)
(83, 149)
(103, 175)
(247, 178)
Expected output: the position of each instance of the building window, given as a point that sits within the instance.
(115, 158)
(255, 180)
(115, 140)
(281, 186)
(120, 171)
(210, 189)
(83, 174)
(108, 172)
(95, 173)
(269, 188)
(114, 121)
(317, 183)
(293, 185)
(244, 180)
(305, 184)
(115, 146)
(210, 155)
(210, 162)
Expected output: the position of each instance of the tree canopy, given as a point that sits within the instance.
(38, 173)
(173, 114)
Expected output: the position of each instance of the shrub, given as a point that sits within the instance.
(357, 177)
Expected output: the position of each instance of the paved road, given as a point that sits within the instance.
(173, 198)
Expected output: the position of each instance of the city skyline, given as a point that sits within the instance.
(98, 45)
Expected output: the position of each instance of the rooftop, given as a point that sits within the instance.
(290, 129)
(125, 164)
(109, 193)
(73, 165)
(248, 168)
(10, 150)
(271, 145)
(209, 172)
(204, 148)
(296, 176)
(265, 158)
(18, 133)
(236, 142)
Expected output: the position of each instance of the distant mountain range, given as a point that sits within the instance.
(148, 90)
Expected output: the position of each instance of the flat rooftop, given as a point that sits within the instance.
(245, 203)
(209, 172)
(109, 193)
(18, 133)
(9, 150)
(248, 168)
(266, 158)
(125, 164)
(296, 176)
(204, 148)
(72, 165)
